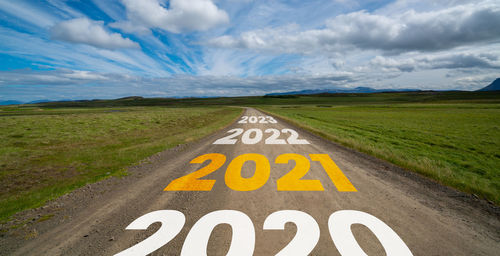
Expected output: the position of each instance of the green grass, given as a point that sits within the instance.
(45, 152)
(455, 144)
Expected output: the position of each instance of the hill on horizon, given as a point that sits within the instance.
(10, 102)
(494, 86)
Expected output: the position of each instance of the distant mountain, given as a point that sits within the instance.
(495, 86)
(48, 101)
(10, 102)
(131, 98)
(16, 102)
(38, 101)
(341, 90)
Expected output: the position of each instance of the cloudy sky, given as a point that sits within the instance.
(84, 49)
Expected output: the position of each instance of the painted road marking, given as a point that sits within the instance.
(257, 119)
(254, 135)
(291, 181)
(243, 238)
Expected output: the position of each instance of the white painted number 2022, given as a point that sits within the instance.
(243, 232)
(254, 136)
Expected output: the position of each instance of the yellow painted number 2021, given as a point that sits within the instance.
(292, 181)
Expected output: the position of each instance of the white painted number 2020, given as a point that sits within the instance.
(307, 235)
(254, 136)
(171, 224)
(242, 242)
(340, 223)
(243, 232)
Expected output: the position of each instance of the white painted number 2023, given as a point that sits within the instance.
(243, 232)
(257, 119)
(254, 136)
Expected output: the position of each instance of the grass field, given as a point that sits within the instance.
(46, 152)
(456, 144)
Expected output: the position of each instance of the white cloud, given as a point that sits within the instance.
(453, 60)
(81, 57)
(180, 85)
(130, 28)
(226, 62)
(63, 83)
(478, 81)
(408, 31)
(111, 8)
(85, 31)
(180, 16)
(63, 9)
(28, 13)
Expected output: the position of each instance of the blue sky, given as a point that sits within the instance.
(76, 49)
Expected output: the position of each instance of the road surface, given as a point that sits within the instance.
(429, 219)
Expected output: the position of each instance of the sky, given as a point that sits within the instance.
(101, 49)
